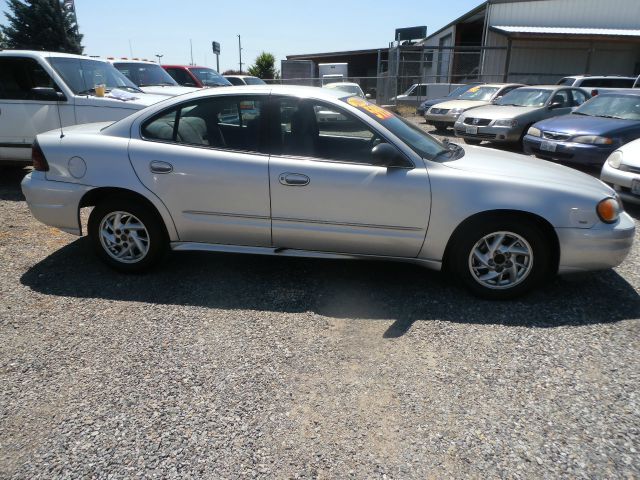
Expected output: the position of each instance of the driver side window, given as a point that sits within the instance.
(309, 128)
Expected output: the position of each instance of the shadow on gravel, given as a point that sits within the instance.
(10, 178)
(342, 289)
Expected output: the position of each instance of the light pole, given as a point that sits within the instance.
(159, 57)
(240, 52)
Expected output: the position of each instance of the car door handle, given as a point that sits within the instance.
(160, 167)
(294, 179)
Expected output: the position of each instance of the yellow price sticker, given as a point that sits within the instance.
(380, 113)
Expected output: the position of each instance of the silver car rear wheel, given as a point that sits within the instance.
(124, 237)
(501, 260)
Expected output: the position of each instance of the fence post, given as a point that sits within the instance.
(507, 61)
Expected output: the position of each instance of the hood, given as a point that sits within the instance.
(121, 99)
(495, 112)
(488, 161)
(433, 101)
(168, 90)
(583, 125)
(466, 104)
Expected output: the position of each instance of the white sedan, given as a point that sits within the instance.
(622, 171)
(252, 170)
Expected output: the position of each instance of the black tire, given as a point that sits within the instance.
(472, 141)
(459, 260)
(153, 236)
(440, 127)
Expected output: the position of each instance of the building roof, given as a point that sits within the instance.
(610, 32)
(336, 54)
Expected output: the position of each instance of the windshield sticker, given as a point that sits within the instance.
(474, 89)
(380, 113)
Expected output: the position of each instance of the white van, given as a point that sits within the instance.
(40, 91)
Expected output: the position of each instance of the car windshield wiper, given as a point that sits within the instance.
(161, 84)
(608, 116)
(88, 91)
(580, 113)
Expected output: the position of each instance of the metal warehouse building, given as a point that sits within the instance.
(537, 41)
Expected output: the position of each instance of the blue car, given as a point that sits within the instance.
(427, 104)
(589, 134)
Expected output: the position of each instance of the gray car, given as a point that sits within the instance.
(509, 118)
(253, 170)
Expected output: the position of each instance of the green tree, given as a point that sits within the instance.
(42, 25)
(264, 67)
(3, 43)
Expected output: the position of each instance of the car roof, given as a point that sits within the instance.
(581, 77)
(500, 85)
(240, 76)
(350, 84)
(184, 66)
(41, 54)
(129, 60)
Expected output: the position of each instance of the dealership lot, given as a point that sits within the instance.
(226, 365)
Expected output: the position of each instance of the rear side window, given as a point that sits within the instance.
(228, 123)
(235, 81)
(19, 75)
(181, 76)
(608, 82)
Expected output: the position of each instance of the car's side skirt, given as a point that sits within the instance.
(289, 252)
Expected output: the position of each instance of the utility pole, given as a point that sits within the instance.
(191, 46)
(240, 52)
(159, 57)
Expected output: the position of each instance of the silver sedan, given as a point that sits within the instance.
(509, 118)
(252, 170)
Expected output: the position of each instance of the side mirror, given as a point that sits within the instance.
(495, 100)
(386, 155)
(555, 105)
(47, 94)
(367, 96)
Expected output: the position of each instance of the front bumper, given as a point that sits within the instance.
(54, 203)
(598, 248)
(434, 119)
(578, 153)
(489, 133)
(621, 180)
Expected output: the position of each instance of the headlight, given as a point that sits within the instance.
(534, 132)
(593, 140)
(608, 210)
(456, 111)
(615, 159)
(508, 122)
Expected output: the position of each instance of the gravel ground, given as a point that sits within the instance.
(228, 366)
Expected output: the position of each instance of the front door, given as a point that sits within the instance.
(22, 115)
(204, 160)
(326, 195)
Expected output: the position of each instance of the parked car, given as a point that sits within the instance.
(416, 93)
(150, 77)
(445, 114)
(622, 171)
(370, 186)
(244, 80)
(427, 104)
(591, 133)
(595, 81)
(508, 120)
(192, 76)
(348, 87)
(41, 91)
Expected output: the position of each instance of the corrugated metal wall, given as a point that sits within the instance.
(567, 13)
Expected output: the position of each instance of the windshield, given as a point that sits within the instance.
(525, 97)
(254, 81)
(145, 74)
(350, 89)
(83, 74)
(625, 107)
(417, 139)
(479, 93)
(459, 91)
(209, 77)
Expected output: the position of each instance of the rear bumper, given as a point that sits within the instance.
(579, 153)
(54, 203)
(597, 248)
(621, 180)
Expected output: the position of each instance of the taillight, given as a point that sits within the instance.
(594, 93)
(37, 157)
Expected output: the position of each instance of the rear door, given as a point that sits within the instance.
(206, 161)
(22, 115)
(327, 195)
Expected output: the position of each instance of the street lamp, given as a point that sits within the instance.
(159, 57)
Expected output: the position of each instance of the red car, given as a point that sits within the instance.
(193, 76)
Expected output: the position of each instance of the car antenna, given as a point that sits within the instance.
(57, 104)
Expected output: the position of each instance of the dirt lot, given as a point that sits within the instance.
(228, 366)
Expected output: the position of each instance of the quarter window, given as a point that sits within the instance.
(312, 129)
(19, 75)
(230, 123)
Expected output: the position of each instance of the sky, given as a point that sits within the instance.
(144, 28)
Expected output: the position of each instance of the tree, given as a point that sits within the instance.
(264, 67)
(232, 72)
(3, 43)
(42, 25)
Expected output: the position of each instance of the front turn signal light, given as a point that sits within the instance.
(608, 210)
